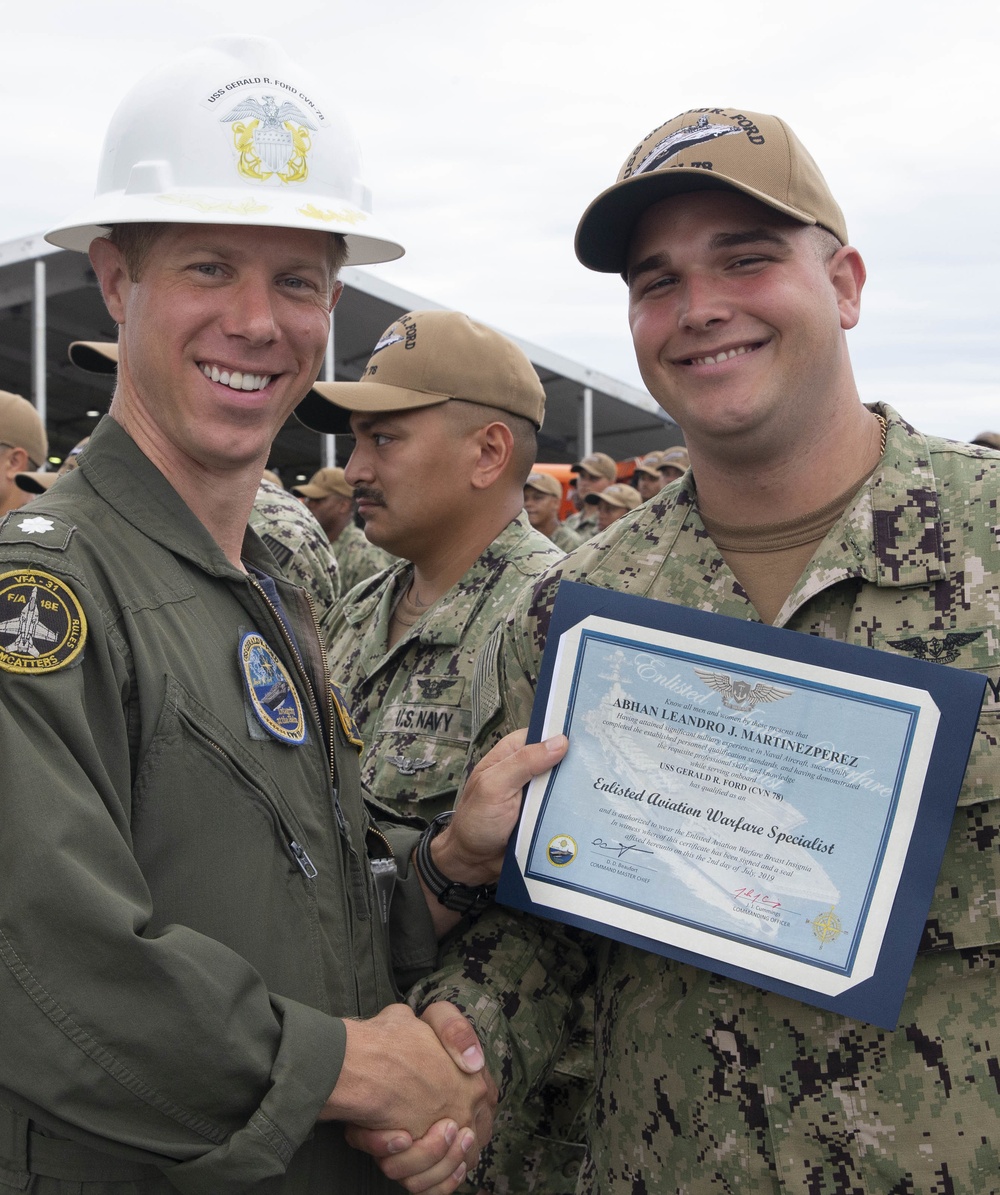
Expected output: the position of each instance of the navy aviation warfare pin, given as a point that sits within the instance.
(272, 694)
(42, 624)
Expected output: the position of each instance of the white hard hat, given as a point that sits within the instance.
(233, 132)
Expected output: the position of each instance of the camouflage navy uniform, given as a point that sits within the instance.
(566, 539)
(413, 704)
(706, 1085)
(413, 708)
(358, 558)
(300, 546)
(583, 523)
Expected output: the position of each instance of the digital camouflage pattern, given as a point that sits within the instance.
(358, 558)
(413, 706)
(582, 522)
(706, 1085)
(537, 1144)
(566, 539)
(300, 546)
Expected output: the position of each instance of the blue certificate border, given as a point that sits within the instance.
(958, 696)
(907, 709)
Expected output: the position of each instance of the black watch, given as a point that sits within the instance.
(460, 898)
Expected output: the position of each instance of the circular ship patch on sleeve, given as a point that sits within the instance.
(42, 624)
(273, 696)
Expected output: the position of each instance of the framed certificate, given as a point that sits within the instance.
(759, 802)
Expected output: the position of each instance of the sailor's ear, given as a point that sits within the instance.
(112, 276)
(847, 274)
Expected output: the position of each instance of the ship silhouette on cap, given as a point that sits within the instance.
(681, 139)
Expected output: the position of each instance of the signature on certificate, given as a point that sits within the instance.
(753, 897)
(620, 848)
(760, 900)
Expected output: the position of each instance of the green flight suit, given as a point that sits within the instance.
(188, 907)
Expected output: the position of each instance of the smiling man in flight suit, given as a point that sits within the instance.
(205, 929)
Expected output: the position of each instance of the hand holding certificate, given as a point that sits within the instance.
(761, 803)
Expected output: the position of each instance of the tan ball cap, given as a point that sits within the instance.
(325, 482)
(616, 495)
(426, 358)
(707, 149)
(545, 483)
(675, 458)
(598, 464)
(650, 465)
(21, 427)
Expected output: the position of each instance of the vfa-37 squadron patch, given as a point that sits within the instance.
(42, 624)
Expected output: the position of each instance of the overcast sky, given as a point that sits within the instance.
(487, 129)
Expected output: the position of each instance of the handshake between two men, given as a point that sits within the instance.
(415, 1091)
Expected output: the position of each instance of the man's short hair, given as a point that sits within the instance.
(471, 416)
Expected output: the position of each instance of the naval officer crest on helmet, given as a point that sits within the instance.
(42, 624)
(272, 139)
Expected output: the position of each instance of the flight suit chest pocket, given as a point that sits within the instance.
(223, 850)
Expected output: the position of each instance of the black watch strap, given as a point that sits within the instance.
(460, 898)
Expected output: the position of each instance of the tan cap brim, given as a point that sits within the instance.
(95, 356)
(35, 483)
(327, 407)
(605, 229)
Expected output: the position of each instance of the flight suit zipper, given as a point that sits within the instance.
(283, 831)
(290, 644)
(382, 883)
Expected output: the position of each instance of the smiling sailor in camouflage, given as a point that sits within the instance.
(806, 509)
